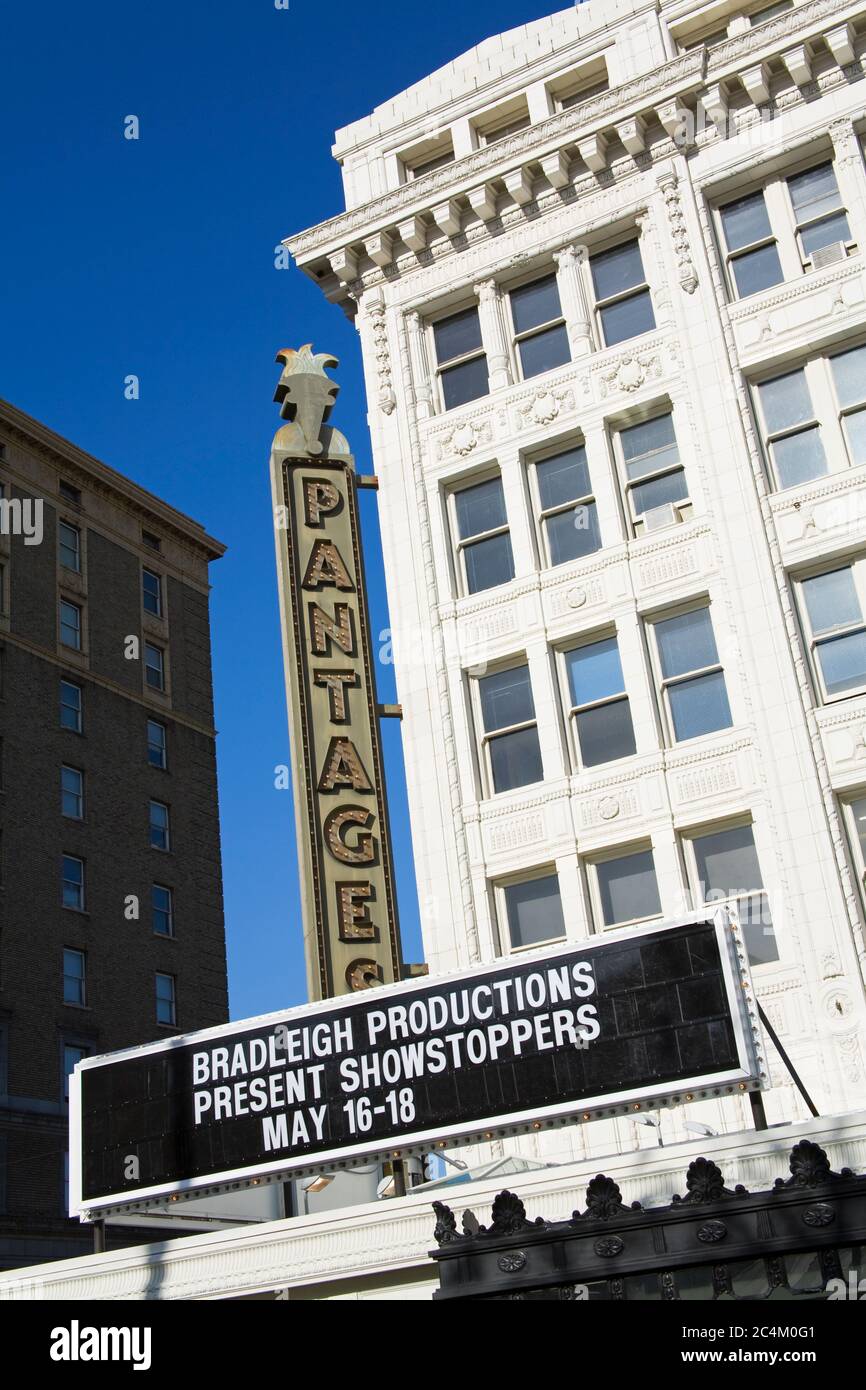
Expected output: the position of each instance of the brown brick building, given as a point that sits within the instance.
(111, 919)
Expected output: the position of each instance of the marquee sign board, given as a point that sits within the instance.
(351, 935)
(625, 1021)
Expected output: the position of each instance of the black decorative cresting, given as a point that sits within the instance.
(603, 1200)
(810, 1167)
(509, 1215)
(445, 1229)
(704, 1183)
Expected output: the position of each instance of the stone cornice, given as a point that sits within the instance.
(768, 37)
(683, 72)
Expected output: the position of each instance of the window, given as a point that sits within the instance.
(166, 1004)
(151, 596)
(159, 836)
(819, 215)
(509, 126)
(574, 92)
(791, 430)
(416, 167)
(569, 518)
(532, 910)
(855, 814)
(599, 704)
(541, 339)
(72, 793)
(74, 991)
(833, 614)
(154, 666)
(150, 540)
(625, 888)
(70, 547)
(162, 905)
(849, 379)
(770, 12)
(692, 679)
(774, 233)
(512, 750)
(483, 541)
(461, 360)
(622, 296)
(709, 40)
(654, 474)
(72, 1055)
(156, 743)
(71, 706)
(69, 493)
(70, 624)
(723, 866)
(72, 882)
(753, 259)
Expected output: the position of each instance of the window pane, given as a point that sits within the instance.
(151, 592)
(650, 445)
(532, 305)
(628, 888)
(786, 401)
(515, 759)
(813, 192)
(155, 743)
(459, 334)
(594, 672)
(758, 930)
(72, 792)
(858, 810)
(824, 233)
(72, 894)
(727, 862)
(831, 600)
(843, 662)
(849, 374)
(628, 318)
(158, 825)
(488, 563)
(757, 270)
(70, 625)
(855, 429)
(617, 270)
(506, 698)
(671, 487)
(573, 534)
(162, 910)
(534, 911)
(153, 667)
(760, 16)
(464, 383)
(70, 546)
(480, 508)
(745, 221)
(563, 478)
(799, 457)
(70, 706)
(605, 733)
(544, 351)
(686, 642)
(699, 706)
(73, 977)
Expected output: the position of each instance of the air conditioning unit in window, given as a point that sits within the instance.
(657, 518)
(829, 255)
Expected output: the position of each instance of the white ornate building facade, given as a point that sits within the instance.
(608, 272)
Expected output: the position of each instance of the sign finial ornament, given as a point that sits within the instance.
(306, 394)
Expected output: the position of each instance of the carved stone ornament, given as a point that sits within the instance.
(544, 407)
(712, 1231)
(464, 438)
(629, 373)
(382, 354)
(512, 1262)
(679, 233)
(609, 1247)
(445, 1229)
(820, 1215)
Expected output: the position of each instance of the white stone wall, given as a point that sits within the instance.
(408, 250)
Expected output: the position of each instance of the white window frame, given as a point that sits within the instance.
(518, 338)
(73, 1003)
(164, 975)
(78, 795)
(79, 609)
(812, 642)
(458, 544)
(152, 574)
(163, 765)
(76, 548)
(684, 508)
(73, 685)
(663, 683)
(416, 164)
(441, 367)
(623, 851)
(846, 805)
(169, 935)
(492, 127)
(784, 228)
(82, 906)
(686, 839)
(162, 667)
(631, 234)
(588, 639)
(500, 887)
(543, 514)
(166, 848)
(484, 737)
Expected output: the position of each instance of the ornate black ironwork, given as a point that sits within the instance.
(810, 1167)
(705, 1183)
(603, 1200)
(446, 1224)
(712, 1231)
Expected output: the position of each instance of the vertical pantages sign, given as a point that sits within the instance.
(351, 935)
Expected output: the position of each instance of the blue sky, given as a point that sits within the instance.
(155, 257)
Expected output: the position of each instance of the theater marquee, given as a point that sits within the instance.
(624, 1022)
(351, 933)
